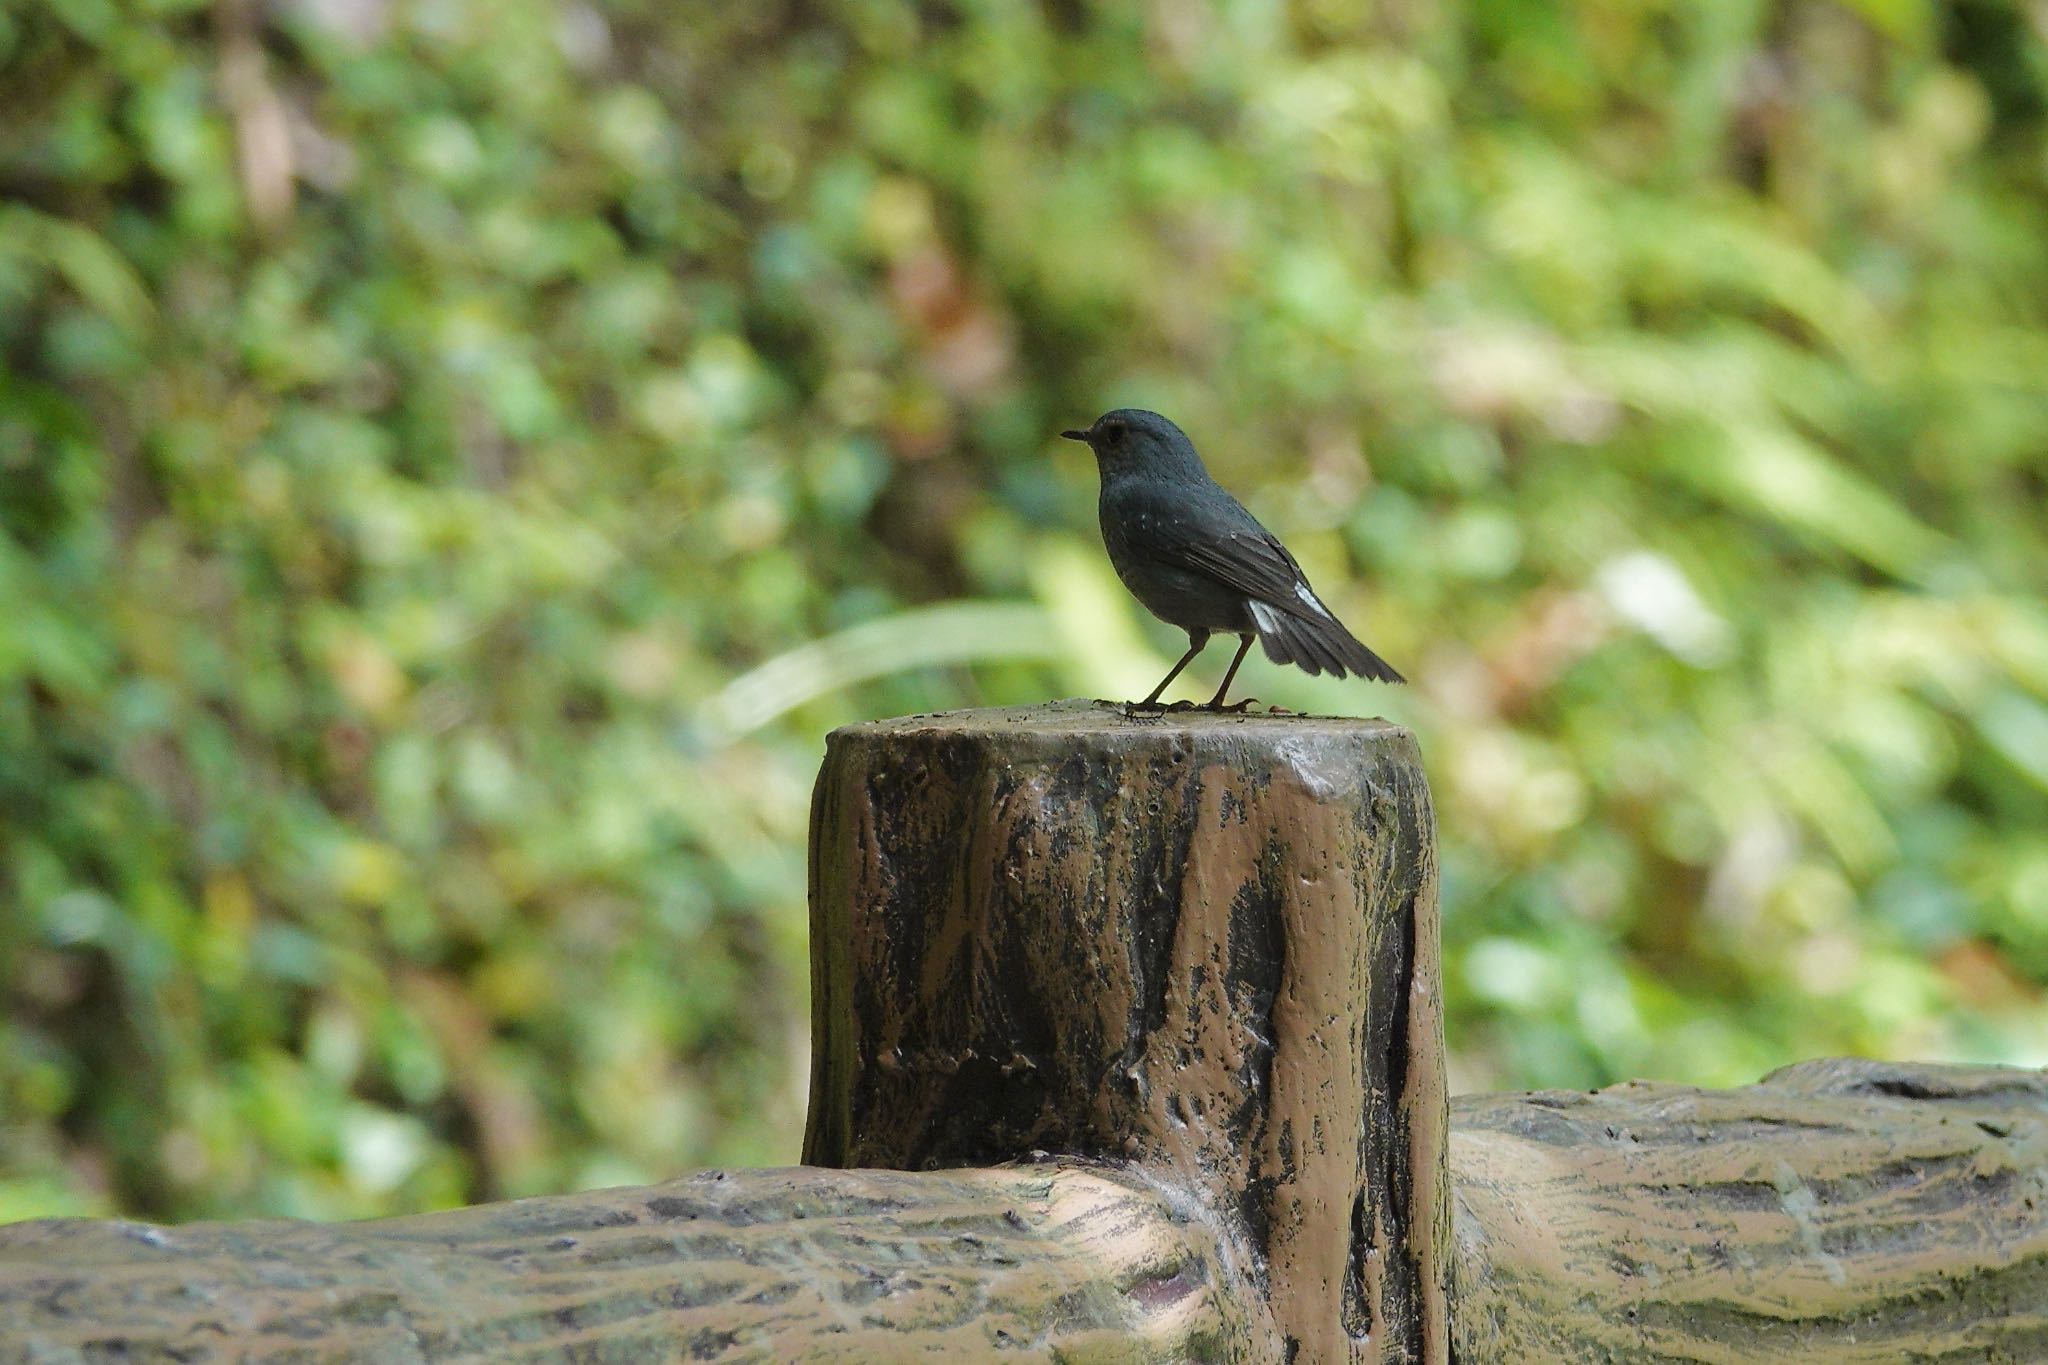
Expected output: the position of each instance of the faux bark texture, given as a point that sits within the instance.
(1206, 943)
(1838, 1213)
(1195, 957)
(1063, 1261)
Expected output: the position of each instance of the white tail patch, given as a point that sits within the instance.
(1301, 590)
(1268, 620)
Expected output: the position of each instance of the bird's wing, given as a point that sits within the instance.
(1222, 541)
(1218, 539)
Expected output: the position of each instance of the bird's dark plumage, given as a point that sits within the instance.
(1198, 560)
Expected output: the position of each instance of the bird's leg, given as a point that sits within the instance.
(1216, 702)
(1196, 640)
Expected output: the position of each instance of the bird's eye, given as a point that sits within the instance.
(1114, 433)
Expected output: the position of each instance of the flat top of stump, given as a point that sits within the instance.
(1078, 716)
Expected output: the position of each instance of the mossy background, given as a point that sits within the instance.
(457, 457)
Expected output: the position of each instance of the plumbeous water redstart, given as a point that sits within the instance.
(1197, 559)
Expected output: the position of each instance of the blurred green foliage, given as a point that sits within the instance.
(458, 456)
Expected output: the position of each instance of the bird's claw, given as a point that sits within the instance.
(1160, 708)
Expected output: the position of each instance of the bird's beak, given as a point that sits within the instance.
(1075, 435)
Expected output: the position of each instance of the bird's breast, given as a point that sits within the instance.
(1140, 545)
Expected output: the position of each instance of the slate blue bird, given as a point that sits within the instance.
(1198, 560)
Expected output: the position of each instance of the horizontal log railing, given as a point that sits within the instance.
(1128, 1048)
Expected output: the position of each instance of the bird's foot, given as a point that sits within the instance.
(1182, 706)
(1236, 708)
(1133, 709)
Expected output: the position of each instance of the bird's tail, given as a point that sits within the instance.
(1318, 645)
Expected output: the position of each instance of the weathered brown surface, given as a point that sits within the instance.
(1035, 1263)
(1203, 949)
(1837, 1213)
(1840, 1213)
(1204, 942)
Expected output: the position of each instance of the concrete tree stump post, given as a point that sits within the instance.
(1204, 944)
(1127, 1049)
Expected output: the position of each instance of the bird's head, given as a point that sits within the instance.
(1132, 440)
